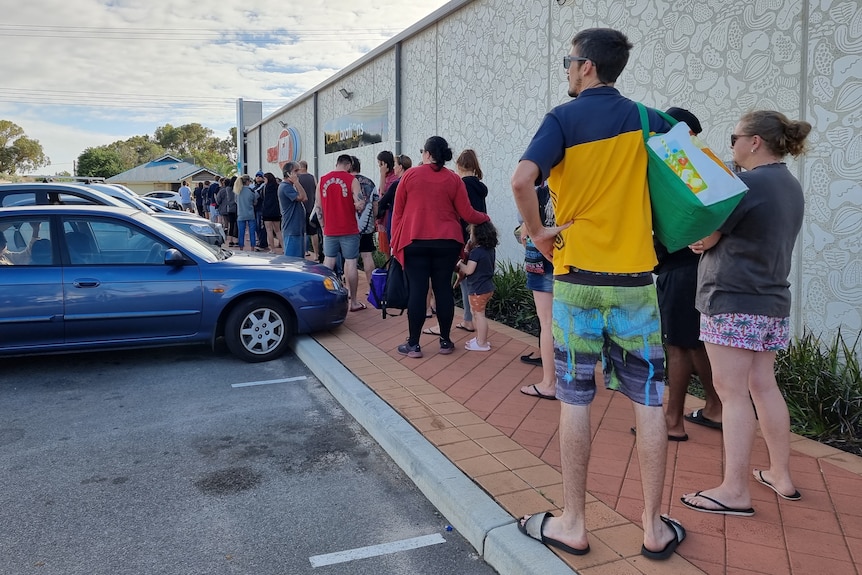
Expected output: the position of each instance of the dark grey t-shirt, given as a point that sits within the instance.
(747, 270)
(482, 279)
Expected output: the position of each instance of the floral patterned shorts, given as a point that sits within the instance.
(746, 331)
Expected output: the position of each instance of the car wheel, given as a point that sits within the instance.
(258, 329)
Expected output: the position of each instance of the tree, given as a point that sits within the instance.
(17, 151)
(100, 162)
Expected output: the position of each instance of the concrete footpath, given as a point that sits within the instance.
(472, 512)
(484, 454)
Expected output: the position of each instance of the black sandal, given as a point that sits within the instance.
(529, 359)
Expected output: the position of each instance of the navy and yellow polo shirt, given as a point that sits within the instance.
(592, 153)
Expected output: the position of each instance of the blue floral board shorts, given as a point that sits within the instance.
(619, 326)
(746, 331)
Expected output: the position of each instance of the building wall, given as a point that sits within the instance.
(483, 74)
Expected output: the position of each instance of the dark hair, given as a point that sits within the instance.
(289, 167)
(485, 234)
(343, 160)
(683, 115)
(355, 164)
(606, 48)
(404, 161)
(270, 177)
(469, 161)
(3, 241)
(387, 158)
(781, 135)
(439, 150)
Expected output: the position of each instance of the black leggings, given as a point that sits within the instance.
(437, 263)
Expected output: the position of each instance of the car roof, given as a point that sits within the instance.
(62, 187)
(76, 209)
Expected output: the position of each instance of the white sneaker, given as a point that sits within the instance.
(473, 345)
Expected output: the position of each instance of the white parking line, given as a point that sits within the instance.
(375, 550)
(268, 382)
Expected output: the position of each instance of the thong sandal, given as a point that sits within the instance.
(538, 393)
(697, 417)
(464, 327)
(678, 537)
(532, 526)
(431, 331)
(722, 508)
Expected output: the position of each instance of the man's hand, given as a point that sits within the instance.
(544, 239)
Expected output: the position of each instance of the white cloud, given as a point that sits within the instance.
(126, 63)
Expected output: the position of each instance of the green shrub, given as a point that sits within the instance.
(823, 388)
(512, 303)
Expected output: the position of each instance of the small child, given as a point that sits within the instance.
(479, 272)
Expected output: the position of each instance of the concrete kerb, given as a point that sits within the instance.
(476, 516)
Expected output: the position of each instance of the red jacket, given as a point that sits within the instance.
(429, 205)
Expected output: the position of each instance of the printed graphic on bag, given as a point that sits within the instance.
(675, 157)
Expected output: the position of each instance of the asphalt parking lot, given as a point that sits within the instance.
(181, 461)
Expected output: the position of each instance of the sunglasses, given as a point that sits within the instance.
(735, 137)
(567, 60)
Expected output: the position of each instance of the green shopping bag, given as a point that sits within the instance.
(691, 191)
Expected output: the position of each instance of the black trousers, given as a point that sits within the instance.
(432, 260)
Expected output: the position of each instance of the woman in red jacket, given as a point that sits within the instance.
(427, 238)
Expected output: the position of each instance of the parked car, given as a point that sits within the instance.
(163, 195)
(32, 193)
(87, 277)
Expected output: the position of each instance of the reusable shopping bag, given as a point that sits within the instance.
(691, 191)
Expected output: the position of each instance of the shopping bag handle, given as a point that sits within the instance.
(642, 110)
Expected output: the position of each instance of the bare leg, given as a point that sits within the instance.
(712, 408)
(731, 369)
(481, 323)
(652, 457)
(367, 265)
(351, 273)
(679, 370)
(545, 312)
(774, 421)
(575, 439)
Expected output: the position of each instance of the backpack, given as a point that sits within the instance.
(390, 290)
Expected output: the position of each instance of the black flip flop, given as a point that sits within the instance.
(529, 359)
(698, 418)
(722, 508)
(678, 537)
(539, 394)
(532, 527)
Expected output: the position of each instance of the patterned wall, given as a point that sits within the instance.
(484, 75)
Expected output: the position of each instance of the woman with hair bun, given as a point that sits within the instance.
(430, 203)
(744, 300)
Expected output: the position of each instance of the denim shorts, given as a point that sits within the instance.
(348, 246)
(541, 282)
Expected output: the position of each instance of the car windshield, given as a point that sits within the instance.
(187, 241)
(123, 196)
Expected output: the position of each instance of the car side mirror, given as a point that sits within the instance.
(174, 257)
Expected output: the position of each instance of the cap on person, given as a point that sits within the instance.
(259, 174)
(683, 115)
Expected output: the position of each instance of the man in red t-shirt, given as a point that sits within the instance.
(339, 199)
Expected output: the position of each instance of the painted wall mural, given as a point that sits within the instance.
(364, 127)
(483, 76)
(287, 148)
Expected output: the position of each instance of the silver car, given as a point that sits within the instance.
(39, 193)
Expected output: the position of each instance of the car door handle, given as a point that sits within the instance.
(86, 283)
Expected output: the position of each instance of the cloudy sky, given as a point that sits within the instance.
(86, 73)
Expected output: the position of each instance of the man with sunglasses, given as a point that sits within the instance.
(592, 153)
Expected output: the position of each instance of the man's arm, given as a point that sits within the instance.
(358, 202)
(524, 190)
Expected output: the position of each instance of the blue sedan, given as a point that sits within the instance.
(76, 278)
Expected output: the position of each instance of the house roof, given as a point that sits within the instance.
(166, 168)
